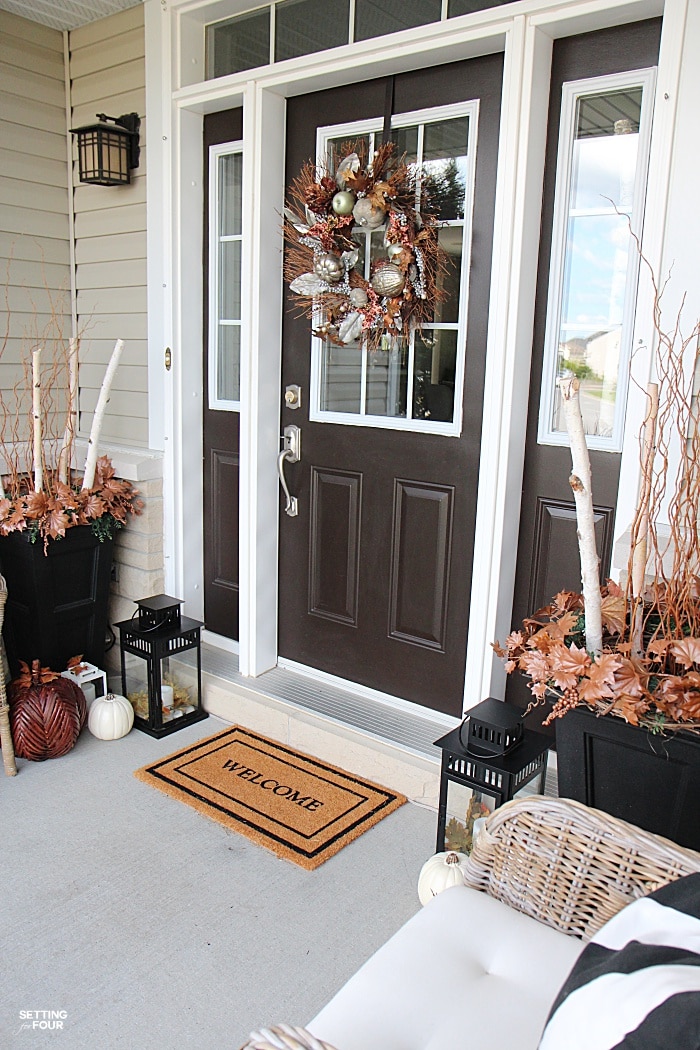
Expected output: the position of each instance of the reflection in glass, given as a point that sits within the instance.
(376, 17)
(230, 169)
(605, 150)
(228, 366)
(305, 26)
(596, 265)
(239, 43)
(435, 363)
(387, 380)
(341, 378)
(594, 359)
(337, 149)
(450, 240)
(406, 140)
(596, 270)
(230, 280)
(445, 166)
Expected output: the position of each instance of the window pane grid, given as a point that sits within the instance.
(410, 380)
(226, 244)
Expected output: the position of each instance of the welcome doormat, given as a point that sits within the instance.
(301, 808)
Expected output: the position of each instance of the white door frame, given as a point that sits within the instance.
(174, 42)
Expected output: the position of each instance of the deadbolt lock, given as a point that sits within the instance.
(292, 396)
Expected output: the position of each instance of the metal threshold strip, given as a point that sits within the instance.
(398, 727)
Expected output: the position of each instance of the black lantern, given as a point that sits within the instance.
(162, 666)
(108, 151)
(486, 761)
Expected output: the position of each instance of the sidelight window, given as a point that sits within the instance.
(599, 203)
(412, 383)
(225, 242)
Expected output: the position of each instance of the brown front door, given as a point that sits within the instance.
(375, 571)
(608, 118)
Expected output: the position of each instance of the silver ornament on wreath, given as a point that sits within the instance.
(329, 267)
(358, 297)
(367, 214)
(388, 280)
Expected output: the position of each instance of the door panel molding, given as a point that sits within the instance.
(421, 549)
(556, 547)
(225, 471)
(334, 556)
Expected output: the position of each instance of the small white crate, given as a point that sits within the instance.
(91, 680)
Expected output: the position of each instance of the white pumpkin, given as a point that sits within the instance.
(439, 873)
(111, 717)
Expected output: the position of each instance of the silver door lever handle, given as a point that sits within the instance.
(292, 452)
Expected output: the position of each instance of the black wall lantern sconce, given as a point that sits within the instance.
(109, 150)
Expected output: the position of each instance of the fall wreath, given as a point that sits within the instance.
(324, 206)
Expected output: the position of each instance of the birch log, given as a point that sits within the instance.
(580, 482)
(36, 418)
(102, 401)
(65, 456)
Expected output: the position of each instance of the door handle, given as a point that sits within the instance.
(291, 451)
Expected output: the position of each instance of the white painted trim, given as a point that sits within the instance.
(522, 143)
(655, 240)
(227, 644)
(159, 185)
(571, 93)
(261, 357)
(363, 691)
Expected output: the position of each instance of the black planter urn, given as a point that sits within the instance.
(56, 602)
(650, 780)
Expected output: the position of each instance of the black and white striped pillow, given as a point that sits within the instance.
(636, 985)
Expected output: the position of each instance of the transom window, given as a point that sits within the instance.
(292, 28)
(599, 198)
(415, 382)
(225, 239)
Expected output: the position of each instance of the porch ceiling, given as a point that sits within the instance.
(65, 14)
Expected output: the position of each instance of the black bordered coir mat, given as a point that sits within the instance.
(300, 807)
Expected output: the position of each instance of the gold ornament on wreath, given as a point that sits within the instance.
(323, 208)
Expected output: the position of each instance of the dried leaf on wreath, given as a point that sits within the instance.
(350, 327)
(346, 170)
(378, 193)
(687, 651)
(308, 284)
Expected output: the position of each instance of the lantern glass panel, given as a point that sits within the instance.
(175, 683)
(464, 806)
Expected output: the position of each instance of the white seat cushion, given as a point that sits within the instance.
(466, 971)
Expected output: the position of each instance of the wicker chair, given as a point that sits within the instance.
(570, 866)
(557, 861)
(8, 750)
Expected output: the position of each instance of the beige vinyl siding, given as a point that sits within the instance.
(107, 69)
(34, 201)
